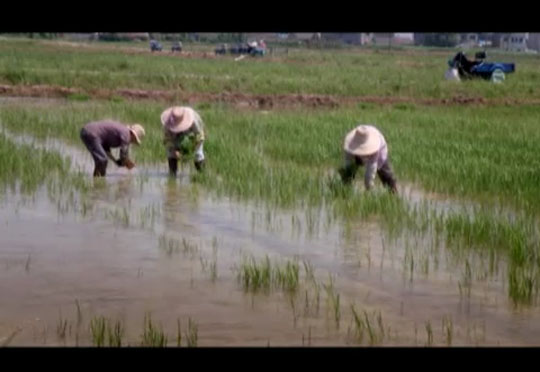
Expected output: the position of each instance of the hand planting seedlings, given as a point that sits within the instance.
(100, 137)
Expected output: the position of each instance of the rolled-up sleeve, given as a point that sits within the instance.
(198, 137)
(371, 171)
(198, 130)
(124, 153)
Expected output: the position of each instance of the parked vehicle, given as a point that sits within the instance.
(155, 46)
(467, 69)
(176, 46)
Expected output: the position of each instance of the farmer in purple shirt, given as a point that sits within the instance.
(365, 145)
(101, 136)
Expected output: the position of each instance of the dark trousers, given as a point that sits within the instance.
(385, 173)
(94, 146)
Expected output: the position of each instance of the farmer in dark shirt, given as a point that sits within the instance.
(101, 136)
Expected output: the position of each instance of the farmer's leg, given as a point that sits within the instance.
(387, 176)
(93, 144)
(173, 153)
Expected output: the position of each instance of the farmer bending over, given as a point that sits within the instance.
(101, 136)
(365, 145)
(179, 122)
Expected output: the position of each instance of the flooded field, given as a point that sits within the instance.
(267, 246)
(167, 249)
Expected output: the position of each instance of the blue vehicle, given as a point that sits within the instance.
(155, 46)
(467, 69)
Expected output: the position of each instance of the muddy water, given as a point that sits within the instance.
(116, 267)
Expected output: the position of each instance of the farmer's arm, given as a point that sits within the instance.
(371, 171)
(124, 154)
(111, 156)
(169, 141)
(198, 139)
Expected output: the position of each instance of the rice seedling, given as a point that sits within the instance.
(364, 325)
(79, 313)
(310, 272)
(178, 333)
(308, 341)
(448, 330)
(429, 332)
(106, 333)
(27, 264)
(98, 329)
(168, 245)
(192, 333)
(265, 276)
(359, 325)
(333, 298)
(213, 264)
(189, 248)
(61, 327)
(153, 336)
(115, 333)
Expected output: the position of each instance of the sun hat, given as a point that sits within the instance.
(138, 132)
(362, 141)
(177, 119)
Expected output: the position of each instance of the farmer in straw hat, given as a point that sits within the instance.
(100, 137)
(178, 123)
(365, 145)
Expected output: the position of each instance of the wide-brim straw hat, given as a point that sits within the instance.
(138, 132)
(362, 141)
(177, 119)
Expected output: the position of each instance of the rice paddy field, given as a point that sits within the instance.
(267, 247)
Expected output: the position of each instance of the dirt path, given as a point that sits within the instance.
(252, 101)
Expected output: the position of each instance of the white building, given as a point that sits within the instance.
(514, 42)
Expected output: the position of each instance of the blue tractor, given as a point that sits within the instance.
(467, 69)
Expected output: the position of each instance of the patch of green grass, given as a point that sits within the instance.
(78, 97)
(337, 72)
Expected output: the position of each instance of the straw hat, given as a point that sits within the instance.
(362, 140)
(138, 131)
(177, 119)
